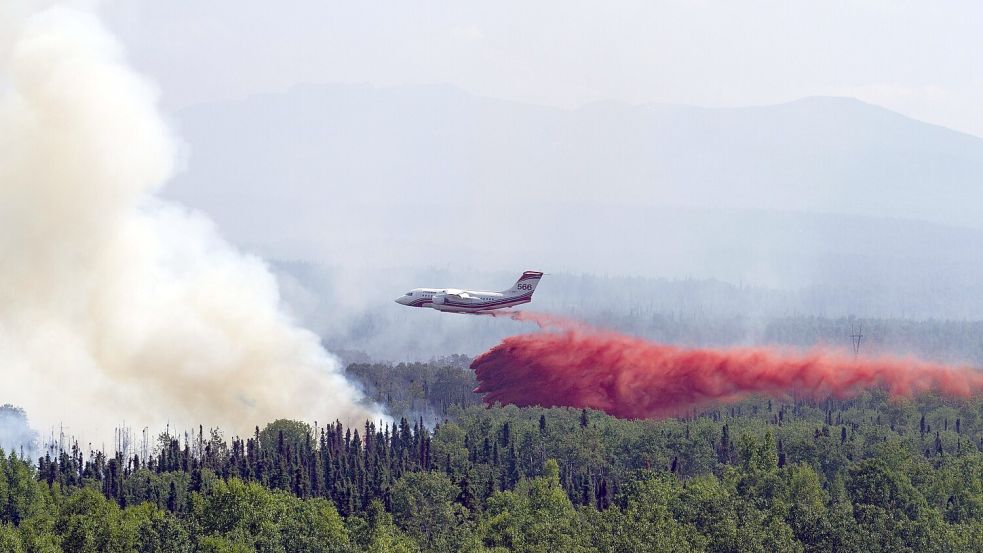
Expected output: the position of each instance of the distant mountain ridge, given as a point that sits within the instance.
(424, 143)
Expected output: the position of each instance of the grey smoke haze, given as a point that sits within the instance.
(16, 434)
(824, 206)
(118, 305)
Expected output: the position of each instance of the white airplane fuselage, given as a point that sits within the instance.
(453, 300)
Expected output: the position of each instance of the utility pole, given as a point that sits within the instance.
(857, 337)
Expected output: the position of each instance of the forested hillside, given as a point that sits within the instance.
(866, 473)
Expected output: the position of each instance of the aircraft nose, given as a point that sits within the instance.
(400, 300)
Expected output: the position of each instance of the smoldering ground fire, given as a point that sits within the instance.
(568, 364)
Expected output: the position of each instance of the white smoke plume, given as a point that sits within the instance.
(113, 303)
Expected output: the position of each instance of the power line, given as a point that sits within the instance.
(857, 337)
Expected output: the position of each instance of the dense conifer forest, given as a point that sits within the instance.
(448, 474)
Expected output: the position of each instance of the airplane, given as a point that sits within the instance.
(452, 300)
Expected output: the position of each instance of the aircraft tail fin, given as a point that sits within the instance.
(526, 284)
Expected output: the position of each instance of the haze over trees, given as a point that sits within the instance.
(687, 312)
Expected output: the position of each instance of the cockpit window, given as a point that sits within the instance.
(409, 293)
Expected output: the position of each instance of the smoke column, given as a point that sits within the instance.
(116, 305)
(569, 364)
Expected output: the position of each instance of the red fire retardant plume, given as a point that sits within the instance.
(575, 366)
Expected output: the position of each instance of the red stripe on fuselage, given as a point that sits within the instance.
(502, 301)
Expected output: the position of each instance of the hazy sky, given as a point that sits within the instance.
(923, 59)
